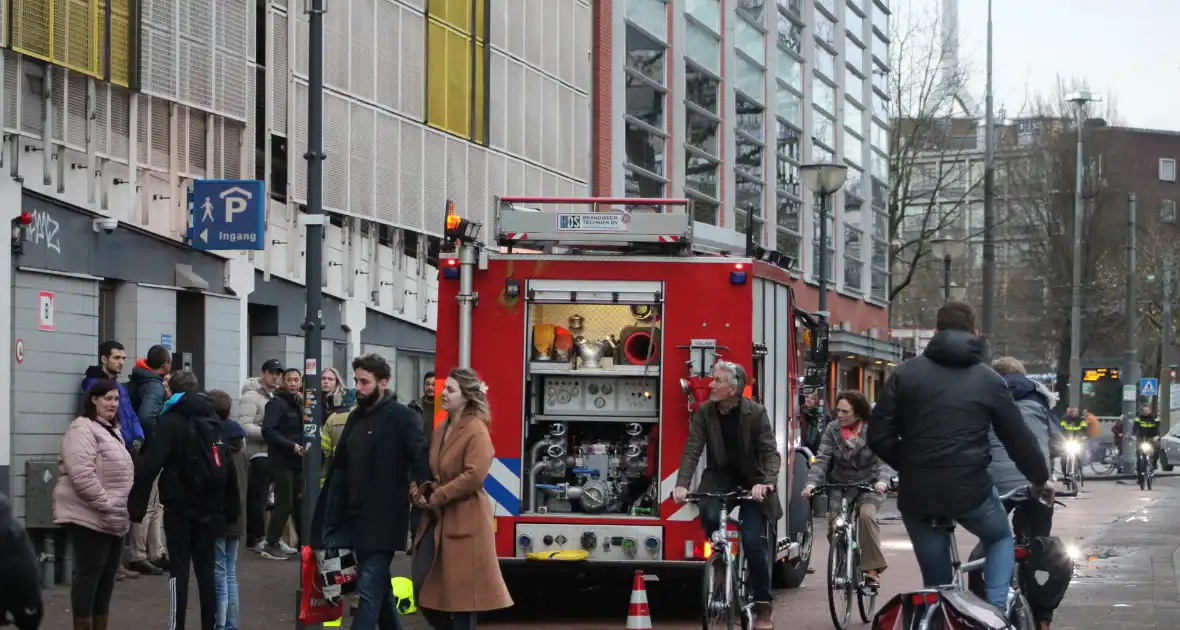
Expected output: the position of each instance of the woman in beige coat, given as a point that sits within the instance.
(455, 564)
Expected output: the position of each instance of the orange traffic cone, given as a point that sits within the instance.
(638, 616)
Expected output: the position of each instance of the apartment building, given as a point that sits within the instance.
(723, 100)
(112, 117)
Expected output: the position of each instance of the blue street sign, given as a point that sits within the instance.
(1149, 387)
(227, 214)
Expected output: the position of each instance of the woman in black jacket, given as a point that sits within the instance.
(282, 428)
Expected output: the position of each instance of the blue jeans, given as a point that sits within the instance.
(989, 522)
(377, 607)
(225, 576)
(753, 517)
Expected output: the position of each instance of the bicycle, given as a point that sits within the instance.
(1145, 464)
(1108, 462)
(725, 594)
(1071, 465)
(844, 574)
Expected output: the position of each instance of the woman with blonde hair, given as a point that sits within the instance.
(338, 403)
(455, 564)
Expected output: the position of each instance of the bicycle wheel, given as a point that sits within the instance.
(1106, 465)
(866, 600)
(1021, 618)
(840, 585)
(718, 611)
(1150, 477)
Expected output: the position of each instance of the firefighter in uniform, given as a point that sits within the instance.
(1147, 429)
(1073, 426)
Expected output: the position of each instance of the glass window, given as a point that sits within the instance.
(788, 178)
(650, 15)
(880, 107)
(749, 78)
(820, 154)
(854, 23)
(789, 215)
(790, 142)
(827, 4)
(708, 12)
(825, 62)
(880, 165)
(854, 117)
(825, 28)
(640, 184)
(852, 241)
(854, 86)
(880, 194)
(854, 148)
(853, 274)
(790, 34)
(880, 136)
(646, 56)
(880, 49)
(750, 40)
(701, 89)
(645, 101)
(880, 79)
(702, 47)
(752, 8)
(790, 70)
(855, 56)
(824, 95)
(880, 224)
(880, 254)
(645, 148)
(749, 155)
(787, 243)
(705, 211)
(701, 131)
(790, 107)
(701, 173)
(853, 185)
(792, 6)
(748, 194)
(823, 128)
(880, 20)
(750, 118)
(880, 285)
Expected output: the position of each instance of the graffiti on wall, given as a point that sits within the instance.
(44, 230)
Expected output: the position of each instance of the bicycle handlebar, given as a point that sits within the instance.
(863, 487)
(740, 494)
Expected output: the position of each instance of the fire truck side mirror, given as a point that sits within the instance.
(817, 351)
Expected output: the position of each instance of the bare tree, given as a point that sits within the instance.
(931, 182)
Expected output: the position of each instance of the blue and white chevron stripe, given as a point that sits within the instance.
(503, 486)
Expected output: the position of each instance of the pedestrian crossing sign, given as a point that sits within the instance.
(1149, 387)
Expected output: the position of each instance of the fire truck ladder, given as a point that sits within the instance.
(604, 226)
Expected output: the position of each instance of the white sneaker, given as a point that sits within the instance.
(272, 552)
(285, 548)
(259, 547)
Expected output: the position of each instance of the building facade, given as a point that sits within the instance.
(721, 101)
(456, 100)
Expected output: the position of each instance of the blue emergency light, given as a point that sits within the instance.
(738, 275)
(450, 270)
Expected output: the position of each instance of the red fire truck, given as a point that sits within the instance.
(596, 331)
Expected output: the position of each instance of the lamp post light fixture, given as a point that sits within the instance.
(948, 249)
(823, 179)
(956, 292)
(1079, 100)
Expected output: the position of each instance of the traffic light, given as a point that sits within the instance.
(18, 232)
(456, 229)
(1172, 372)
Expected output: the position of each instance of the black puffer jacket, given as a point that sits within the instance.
(282, 428)
(931, 425)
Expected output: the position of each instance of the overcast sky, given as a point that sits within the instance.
(1128, 48)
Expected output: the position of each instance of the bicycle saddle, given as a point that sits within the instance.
(940, 522)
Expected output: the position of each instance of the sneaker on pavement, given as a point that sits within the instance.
(143, 567)
(273, 552)
(126, 573)
(160, 563)
(259, 546)
(763, 616)
(285, 548)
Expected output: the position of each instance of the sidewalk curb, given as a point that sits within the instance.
(1122, 477)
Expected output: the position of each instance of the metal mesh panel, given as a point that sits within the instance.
(232, 150)
(76, 111)
(218, 148)
(581, 131)
(11, 90)
(550, 36)
(563, 138)
(498, 71)
(280, 3)
(234, 75)
(361, 163)
(30, 27)
(513, 178)
(413, 44)
(388, 20)
(336, 46)
(143, 130)
(336, 145)
(196, 66)
(120, 123)
(58, 99)
(581, 41)
(563, 25)
(249, 137)
(495, 183)
(456, 186)
(534, 181)
(302, 37)
(121, 45)
(477, 185)
(160, 58)
(534, 32)
(295, 150)
(252, 18)
(410, 161)
(434, 176)
(161, 134)
(514, 42)
(196, 144)
(363, 15)
(551, 120)
(498, 29)
(182, 140)
(102, 118)
(534, 106)
(515, 110)
(420, 4)
(280, 74)
(387, 157)
(32, 105)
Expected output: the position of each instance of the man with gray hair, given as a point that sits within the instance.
(737, 434)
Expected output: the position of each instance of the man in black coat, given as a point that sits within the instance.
(20, 575)
(365, 502)
(282, 429)
(931, 425)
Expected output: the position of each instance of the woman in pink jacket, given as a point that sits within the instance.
(90, 501)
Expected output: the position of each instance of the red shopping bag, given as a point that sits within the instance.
(313, 606)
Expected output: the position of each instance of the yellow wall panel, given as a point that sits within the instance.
(452, 82)
(72, 34)
(481, 121)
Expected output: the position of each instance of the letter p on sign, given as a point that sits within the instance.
(233, 205)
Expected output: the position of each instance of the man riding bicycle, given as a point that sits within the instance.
(737, 435)
(1073, 427)
(931, 424)
(1147, 429)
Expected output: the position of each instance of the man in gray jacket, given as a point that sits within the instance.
(256, 392)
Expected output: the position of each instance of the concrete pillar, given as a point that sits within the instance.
(355, 313)
(239, 279)
(10, 208)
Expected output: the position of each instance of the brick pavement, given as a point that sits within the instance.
(1108, 519)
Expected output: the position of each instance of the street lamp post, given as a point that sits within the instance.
(1079, 100)
(823, 180)
(948, 249)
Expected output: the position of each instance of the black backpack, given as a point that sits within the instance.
(207, 466)
(1047, 572)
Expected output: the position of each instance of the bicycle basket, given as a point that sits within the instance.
(948, 610)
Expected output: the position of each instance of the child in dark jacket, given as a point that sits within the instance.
(226, 562)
